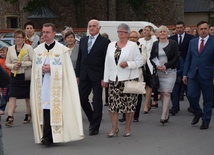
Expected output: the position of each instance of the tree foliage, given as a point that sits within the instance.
(135, 4)
(12, 1)
(139, 7)
(31, 4)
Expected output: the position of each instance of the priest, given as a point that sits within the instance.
(55, 103)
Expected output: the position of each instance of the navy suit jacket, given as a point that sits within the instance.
(184, 45)
(204, 62)
(91, 64)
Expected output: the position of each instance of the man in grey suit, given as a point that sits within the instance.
(89, 72)
(198, 74)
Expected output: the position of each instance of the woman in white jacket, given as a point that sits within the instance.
(122, 62)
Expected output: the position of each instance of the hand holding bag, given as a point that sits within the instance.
(155, 84)
(134, 87)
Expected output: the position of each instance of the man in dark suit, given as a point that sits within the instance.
(183, 39)
(199, 74)
(211, 32)
(89, 72)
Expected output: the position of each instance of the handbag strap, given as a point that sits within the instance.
(131, 71)
(130, 74)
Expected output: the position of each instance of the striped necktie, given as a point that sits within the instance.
(90, 43)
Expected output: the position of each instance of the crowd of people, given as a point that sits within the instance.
(64, 74)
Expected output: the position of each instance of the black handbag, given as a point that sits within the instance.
(155, 84)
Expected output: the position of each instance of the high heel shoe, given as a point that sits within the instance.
(9, 121)
(27, 119)
(146, 111)
(113, 134)
(166, 120)
(154, 105)
(127, 134)
(163, 121)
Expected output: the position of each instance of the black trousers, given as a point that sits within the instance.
(94, 111)
(47, 132)
(138, 107)
(155, 96)
(213, 96)
(106, 95)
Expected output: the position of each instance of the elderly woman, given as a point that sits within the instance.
(122, 62)
(19, 88)
(164, 57)
(70, 40)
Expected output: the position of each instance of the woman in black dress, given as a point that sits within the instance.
(19, 88)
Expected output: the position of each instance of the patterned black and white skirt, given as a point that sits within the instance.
(118, 101)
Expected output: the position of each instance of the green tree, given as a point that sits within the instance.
(139, 7)
(11, 1)
(32, 4)
(80, 13)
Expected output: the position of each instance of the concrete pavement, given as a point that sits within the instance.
(149, 137)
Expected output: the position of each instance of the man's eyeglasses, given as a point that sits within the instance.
(122, 32)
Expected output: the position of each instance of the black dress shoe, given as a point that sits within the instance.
(195, 120)
(172, 111)
(181, 98)
(122, 119)
(106, 104)
(90, 127)
(46, 141)
(189, 109)
(93, 132)
(136, 120)
(204, 125)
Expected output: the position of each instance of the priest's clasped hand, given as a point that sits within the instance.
(46, 68)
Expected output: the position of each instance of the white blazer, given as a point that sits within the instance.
(131, 54)
(12, 58)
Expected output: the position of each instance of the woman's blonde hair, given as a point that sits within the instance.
(162, 28)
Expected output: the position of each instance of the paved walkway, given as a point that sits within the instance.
(149, 137)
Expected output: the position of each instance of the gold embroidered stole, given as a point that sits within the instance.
(55, 57)
(40, 58)
(56, 94)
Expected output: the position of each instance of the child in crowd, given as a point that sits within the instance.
(4, 90)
